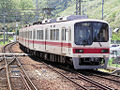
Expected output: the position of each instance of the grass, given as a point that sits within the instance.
(1, 36)
(6, 42)
(1, 43)
(11, 38)
(113, 65)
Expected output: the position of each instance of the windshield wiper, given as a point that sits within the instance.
(100, 44)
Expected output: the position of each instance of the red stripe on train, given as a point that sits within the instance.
(91, 50)
(59, 44)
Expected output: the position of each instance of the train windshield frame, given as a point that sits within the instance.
(85, 33)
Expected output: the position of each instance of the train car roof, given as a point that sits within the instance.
(72, 21)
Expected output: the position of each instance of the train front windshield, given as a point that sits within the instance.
(88, 32)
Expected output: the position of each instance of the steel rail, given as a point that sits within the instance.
(109, 78)
(79, 75)
(94, 82)
(3, 49)
(25, 82)
(65, 76)
(26, 77)
(84, 78)
(8, 76)
(6, 66)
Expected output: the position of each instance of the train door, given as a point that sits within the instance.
(63, 40)
(69, 40)
(46, 37)
(33, 37)
(25, 37)
(28, 38)
(66, 38)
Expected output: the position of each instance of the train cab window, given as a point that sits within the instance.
(100, 32)
(85, 33)
(64, 34)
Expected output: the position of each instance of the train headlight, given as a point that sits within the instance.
(105, 50)
(79, 50)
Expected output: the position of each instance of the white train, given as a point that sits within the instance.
(75, 40)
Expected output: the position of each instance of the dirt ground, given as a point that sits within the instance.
(43, 77)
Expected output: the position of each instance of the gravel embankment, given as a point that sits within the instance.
(43, 77)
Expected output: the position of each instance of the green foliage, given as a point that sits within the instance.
(26, 4)
(1, 43)
(92, 8)
(113, 65)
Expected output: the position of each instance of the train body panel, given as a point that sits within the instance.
(62, 41)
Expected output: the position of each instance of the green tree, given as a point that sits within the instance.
(26, 4)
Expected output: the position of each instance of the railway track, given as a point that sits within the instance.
(111, 77)
(80, 80)
(14, 74)
(114, 80)
(3, 79)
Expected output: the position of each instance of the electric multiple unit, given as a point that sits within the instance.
(82, 42)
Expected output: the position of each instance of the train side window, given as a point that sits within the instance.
(54, 35)
(23, 35)
(41, 34)
(69, 34)
(26, 34)
(46, 34)
(30, 34)
(63, 34)
(38, 34)
(34, 35)
(51, 34)
(57, 34)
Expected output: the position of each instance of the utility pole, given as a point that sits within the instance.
(4, 27)
(37, 14)
(78, 7)
(47, 11)
(102, 9)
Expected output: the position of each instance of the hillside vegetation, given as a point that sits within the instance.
(91, 8)
(94, 10)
